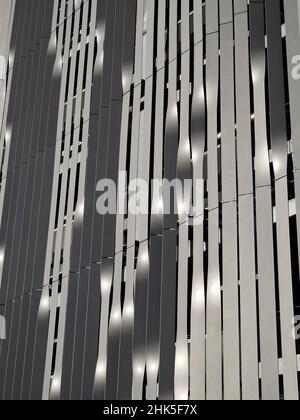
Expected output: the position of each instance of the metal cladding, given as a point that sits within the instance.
(198, 296)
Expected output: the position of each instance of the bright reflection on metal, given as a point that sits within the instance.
(174, 111)
(255, 77)
(129, 310)
(181, 361)
(116, 316)
(8, 135)
(215, 289)
(199, 296)
(187, 147)
(277, 164)
(139, 370)
(11, 58)
(81, 209)
(101, 369)
(105, 285)
(153, 367)
(45, 304)
(145, 257)
(56, 382)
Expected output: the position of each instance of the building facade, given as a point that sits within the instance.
(196, 300)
